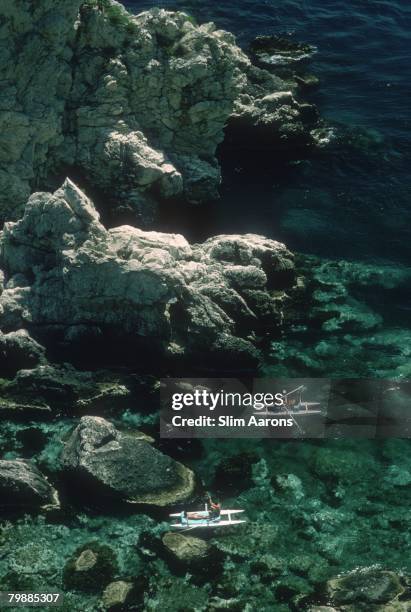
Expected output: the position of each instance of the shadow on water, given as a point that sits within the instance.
(347, 205)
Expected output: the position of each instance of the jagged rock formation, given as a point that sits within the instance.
(73, 283)
(22, 484)
(123, 466)
(134, 104)
(47, 391)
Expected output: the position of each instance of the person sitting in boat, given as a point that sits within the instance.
(194, 515)
(215, 509)
(213, 512)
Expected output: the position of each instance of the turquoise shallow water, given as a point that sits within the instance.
(353, 205)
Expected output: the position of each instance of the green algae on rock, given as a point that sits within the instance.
(338, 328)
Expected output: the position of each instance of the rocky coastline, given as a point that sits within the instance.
(107, 119)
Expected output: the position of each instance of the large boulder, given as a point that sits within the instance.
(91, 568)
(186, 553)
(17, 351)
(369, 589)
(185, 549)
(23, 485)
(116, 595)
(136, 104)
(119, 290)
(123, 466)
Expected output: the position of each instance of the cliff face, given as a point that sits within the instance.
(36, 77)
(136, 105)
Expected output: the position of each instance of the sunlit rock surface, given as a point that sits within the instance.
(136, 105)
(86, 285)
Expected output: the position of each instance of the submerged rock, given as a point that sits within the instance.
(234, 474)
(186, 553)
(23, 485)
(91, 567)
(274, 51)
(185, 549)
(367, 589)
(115, 595)
(337, 465)
(112, 293)
(175, 594)
(354, 337)
(107, 463)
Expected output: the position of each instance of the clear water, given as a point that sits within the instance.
(354, 205)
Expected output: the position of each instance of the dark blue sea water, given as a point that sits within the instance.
(353, 205)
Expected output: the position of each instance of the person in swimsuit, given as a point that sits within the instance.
(213, 513)
(215, 509)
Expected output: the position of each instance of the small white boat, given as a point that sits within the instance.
(204, 518)
(294, 405)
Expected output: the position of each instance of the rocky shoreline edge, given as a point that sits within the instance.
(106, 119)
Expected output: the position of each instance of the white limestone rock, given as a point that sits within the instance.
(136, 104)
(141, 288)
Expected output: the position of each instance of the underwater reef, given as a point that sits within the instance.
(108, 119)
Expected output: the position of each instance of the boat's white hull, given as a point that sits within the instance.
(207, 524)
(205, 513)
(289, 413)
(203, 519)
